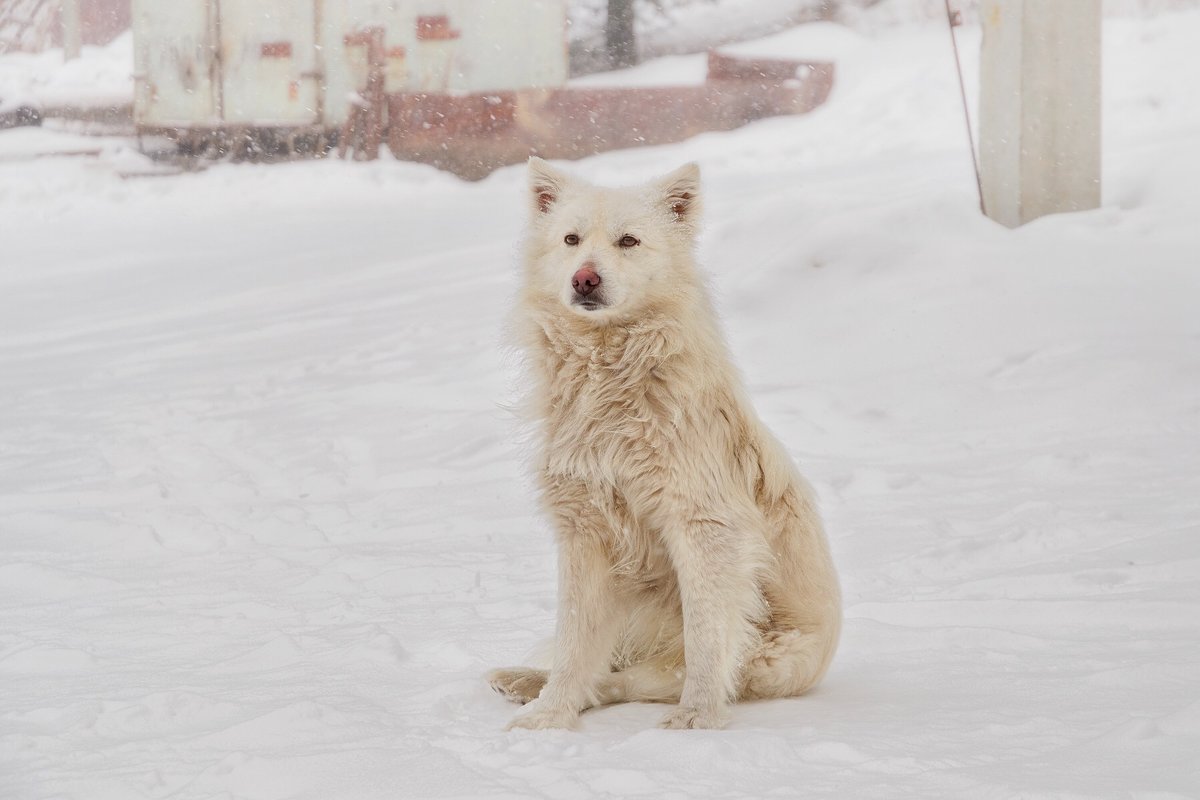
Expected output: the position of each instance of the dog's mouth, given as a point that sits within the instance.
(588, 303)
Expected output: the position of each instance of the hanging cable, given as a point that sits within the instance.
(954, 19)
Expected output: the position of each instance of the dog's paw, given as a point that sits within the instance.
(688, 718)
(537, 717)
(518, 684)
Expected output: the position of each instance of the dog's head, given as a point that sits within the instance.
(606, 254)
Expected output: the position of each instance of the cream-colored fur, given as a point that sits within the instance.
(693, 568)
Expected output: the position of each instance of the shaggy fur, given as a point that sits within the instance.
(693, 568)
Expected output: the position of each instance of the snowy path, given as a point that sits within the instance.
(263, 520)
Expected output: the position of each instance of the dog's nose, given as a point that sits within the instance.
(585, 281)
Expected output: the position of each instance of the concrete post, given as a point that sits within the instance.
(72, 28)
(1039, 121)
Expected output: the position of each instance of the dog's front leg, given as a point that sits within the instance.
(716, 565)
(588, 620)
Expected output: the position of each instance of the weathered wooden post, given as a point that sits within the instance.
(1039, 108)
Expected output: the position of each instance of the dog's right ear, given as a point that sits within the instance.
(546, 184)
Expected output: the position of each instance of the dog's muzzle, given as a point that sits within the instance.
(586, 283)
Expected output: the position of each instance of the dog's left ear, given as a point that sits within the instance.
(681, 192)
(545, 184)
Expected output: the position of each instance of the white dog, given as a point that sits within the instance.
(693, 568)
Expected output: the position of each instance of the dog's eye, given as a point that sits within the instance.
(628, 241)
(571, 239)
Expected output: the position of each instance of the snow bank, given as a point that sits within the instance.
(102, 77)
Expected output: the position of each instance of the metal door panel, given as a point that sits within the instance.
(268, 61)
(174, 64)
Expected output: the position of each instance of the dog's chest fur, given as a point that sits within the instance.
(609, 426)
(609, 412)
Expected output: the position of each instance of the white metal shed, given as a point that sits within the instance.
(293, 63)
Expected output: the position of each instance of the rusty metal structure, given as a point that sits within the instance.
(465, 85)
(205, 64)
(493, 129)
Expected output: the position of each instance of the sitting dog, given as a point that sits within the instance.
(693, 567)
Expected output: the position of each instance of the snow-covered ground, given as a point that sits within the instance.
(262, 519)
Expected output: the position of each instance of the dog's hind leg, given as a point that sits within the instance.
(806, 617)
(518, 684)
(787, 663)
(641, 683)
(648, 682)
